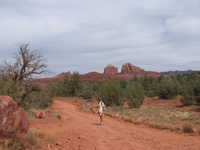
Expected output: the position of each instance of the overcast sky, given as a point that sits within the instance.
(86, 35)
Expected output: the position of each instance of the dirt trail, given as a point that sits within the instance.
(79, 131)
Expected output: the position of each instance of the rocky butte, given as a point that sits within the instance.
(110, 69)
(128, 72)
(129, 68)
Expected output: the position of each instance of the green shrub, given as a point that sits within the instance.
(86, 94)
(37, 100)
(167, 88)
(88, 90)
(134, 94)
(70, 86)
(28, 94)
(111, 93)
(187, 96)
(150, 86)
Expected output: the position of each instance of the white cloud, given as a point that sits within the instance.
(87, 35)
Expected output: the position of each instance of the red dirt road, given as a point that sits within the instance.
(79, 131)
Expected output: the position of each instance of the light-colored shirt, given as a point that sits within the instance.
(101, 106)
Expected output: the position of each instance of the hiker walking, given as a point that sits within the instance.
(101, 108)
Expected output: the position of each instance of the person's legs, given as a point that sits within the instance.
(101, 118)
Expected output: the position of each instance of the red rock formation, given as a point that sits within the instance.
(129, 68)
(93, 76)
(110, 69)
(13, 120)
(128, 72)
(40, 115)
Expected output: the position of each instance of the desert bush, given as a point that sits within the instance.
(187, 128)
(134, 94)
(87, 90)
(167, 88)
(123, 84)
(86, 94)
(187, 95)
(150, 86)
(13, 144)
(37, 100)
(70, 86)
(111, 93)
(28, 95)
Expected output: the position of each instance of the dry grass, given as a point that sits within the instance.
(160, 117)
(34, 135)
(50, 139)
(2, 148)
(12, 144)
(32, 141)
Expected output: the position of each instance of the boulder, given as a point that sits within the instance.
(40, 115)
(110, 69)
(129, 68)
(13, 119)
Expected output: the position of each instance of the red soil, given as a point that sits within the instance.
(79, 131)
(174, 103)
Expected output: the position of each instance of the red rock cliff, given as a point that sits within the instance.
(129, 68)
(110, 69)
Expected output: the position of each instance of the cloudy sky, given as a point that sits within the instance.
(86, 35)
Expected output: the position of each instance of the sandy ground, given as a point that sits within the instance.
(78, 130)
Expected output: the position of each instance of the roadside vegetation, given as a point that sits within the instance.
(16, 79)
(133, 92)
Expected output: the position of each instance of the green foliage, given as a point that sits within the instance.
(134, 91)
(167, 88)
(134, 94)
(70, 86)
(37, 100)
(28, 95)
(150, 86)
(123, 84)
(87, 90)
(188, 96)
(111, 93)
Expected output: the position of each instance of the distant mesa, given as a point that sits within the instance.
(110, 69)
(128, 72)
(129, 68)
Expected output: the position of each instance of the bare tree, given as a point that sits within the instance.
(27, 63)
